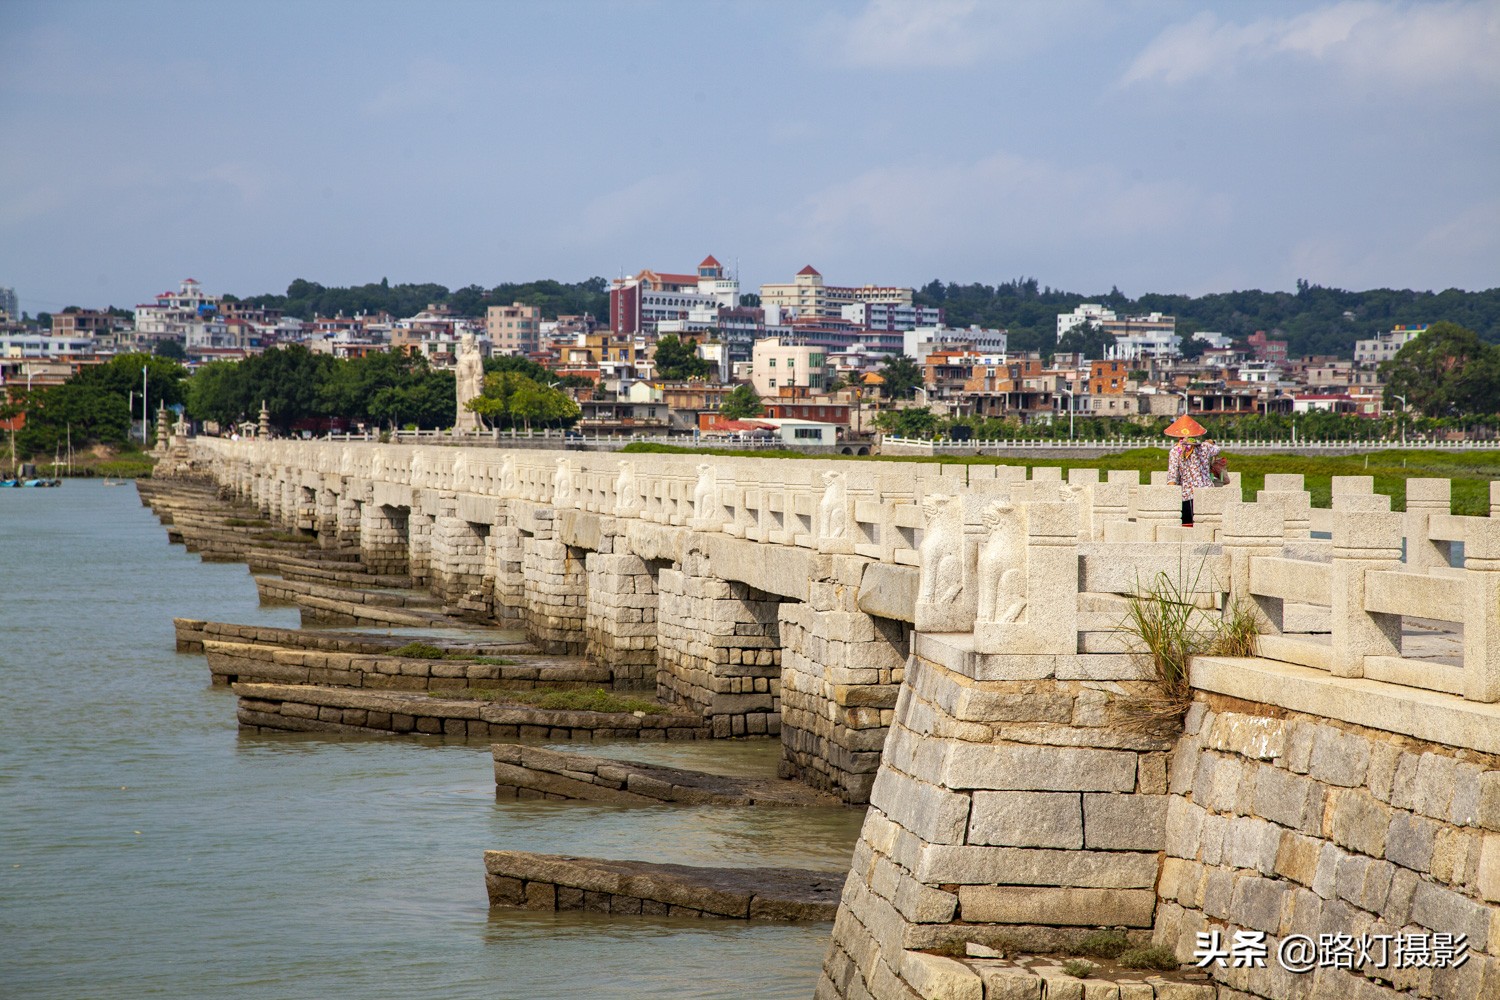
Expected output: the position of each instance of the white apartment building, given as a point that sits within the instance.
(1383, 346)
(1143, 345)
(188, 314)
(891, 315)
(1151, 335)
(924, 340)
(775, 366)
(42, 346)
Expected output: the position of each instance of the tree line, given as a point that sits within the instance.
(1313, 320)
(305, 299)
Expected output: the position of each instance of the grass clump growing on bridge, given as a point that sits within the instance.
(1079, 968)
(1154, 957)
(1169, 622)
(1102, 944)
(560, 699)
(418, 650)
(291, 539)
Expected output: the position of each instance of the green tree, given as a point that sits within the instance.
(912, 422)
(902, 376)
(171, 349)
(1447, 369)
(511, 399)
(677, 360)
(1086, 339)
(94, 406)
(741, 402)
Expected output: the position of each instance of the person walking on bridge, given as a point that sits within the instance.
(1190, 464)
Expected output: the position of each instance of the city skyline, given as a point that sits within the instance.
(1150, 146)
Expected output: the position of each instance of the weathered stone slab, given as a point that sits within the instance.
(785, 894)
(559, 774)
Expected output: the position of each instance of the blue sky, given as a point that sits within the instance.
(1155, 146)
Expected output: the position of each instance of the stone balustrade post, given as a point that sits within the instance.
(1252, 530)
(1482, 611)
(1424, 498)
(1363, 540)
(1296, 503)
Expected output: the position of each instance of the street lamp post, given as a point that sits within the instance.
(1402, 418)
(1069, 393)
(145, 409)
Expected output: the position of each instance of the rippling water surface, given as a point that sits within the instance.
(149, 849)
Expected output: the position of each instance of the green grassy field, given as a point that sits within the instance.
(1470, 471)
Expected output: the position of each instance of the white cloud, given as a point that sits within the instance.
(428, 85)
(898, 33)
(946, 34)
(1399, 44)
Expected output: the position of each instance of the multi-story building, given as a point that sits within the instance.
(188, 315)
(10, 308)
(808, 297)
(513, 329)
(1013, 388)
(1273, 352)
(81, 323)
(44, 347)
(776, 366)
(836, 335)
(918, 343)
(1108, 377)
(891, 315)
(1383, 346)
(1151, 335)
(637, 304)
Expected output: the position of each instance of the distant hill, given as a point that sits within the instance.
(1313, 320)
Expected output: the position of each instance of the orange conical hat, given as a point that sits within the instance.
(1184, 427)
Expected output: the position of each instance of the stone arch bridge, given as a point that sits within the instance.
(942, 642)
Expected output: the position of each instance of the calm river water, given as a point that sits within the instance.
(149, 849)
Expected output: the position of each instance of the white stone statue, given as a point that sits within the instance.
(460, 472)
(625, 491)
(470, 376)
(833, 509)
(418, 468)
(1002, 564)
(508, 475)
(705, 490)
(942, 550)
(562, 483)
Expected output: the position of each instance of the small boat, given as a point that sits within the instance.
(41, 482)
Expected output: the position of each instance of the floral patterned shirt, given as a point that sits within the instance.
(1189, 465)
